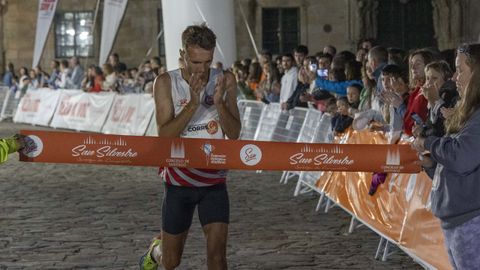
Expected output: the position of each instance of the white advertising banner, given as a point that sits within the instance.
(82, 111)
(112, 17)
(152, 127)
(37, 107)
(46, 12)
(130, 115)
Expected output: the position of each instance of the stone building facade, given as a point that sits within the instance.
(314, 23)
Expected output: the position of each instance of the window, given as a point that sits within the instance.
(396, 21)
(73, 34)
(281, 29)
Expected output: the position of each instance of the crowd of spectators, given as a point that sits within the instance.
(71, 74)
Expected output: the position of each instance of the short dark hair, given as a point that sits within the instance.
(356, 85)
(301, 49)
(343, 99)
(64, 63)
(289, 55)
(199, 35)
(157, 60)
(395, 71)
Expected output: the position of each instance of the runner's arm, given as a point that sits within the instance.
(228, 110)
(167, 124)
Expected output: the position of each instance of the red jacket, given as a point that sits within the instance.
(416, 103)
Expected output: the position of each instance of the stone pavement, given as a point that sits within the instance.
(58, 216)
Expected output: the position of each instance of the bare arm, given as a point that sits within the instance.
(227, 106)
(167, 124)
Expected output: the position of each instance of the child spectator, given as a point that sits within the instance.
(342, 120)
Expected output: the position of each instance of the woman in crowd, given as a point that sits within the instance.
(110, 83)
(454, 165)
(269, 89)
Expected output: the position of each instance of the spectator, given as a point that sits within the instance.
(23, 79)
(440, 92)
(269, 89)
(54, 75)
(453, 164)
(330, 49)
(117, 66)
(64, 74)
(98, 80)
(110, 83)
(8, 77)
(89, 79)
(278, 65)
(244, 91)
(74, 81)
(289, 80)
(33, 83)
(377, 58)
(342, 119)
(254, 74)
(353, 95)
(416, 102)
(300, 53)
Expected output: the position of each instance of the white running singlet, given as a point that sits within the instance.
(204, 124)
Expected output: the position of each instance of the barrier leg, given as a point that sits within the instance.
(329, 205)
(284, 176)
(320, 202)
(386, 252)
(354, 224)
(297, 188)
(379, 248)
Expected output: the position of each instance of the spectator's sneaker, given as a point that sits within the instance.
(146, 261)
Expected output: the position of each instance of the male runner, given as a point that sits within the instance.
(195, 101)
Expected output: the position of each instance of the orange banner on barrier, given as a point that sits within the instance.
(398, 210)
(63, 147)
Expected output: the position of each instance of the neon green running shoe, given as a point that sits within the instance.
(146, 261)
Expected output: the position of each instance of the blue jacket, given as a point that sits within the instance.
(339, 88)
(456, 183)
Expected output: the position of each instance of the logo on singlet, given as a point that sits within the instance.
(250, 155)
(182, 102)
(208, 100)
(211, 127)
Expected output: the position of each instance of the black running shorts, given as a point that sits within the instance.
(179, 204)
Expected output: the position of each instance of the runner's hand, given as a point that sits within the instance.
(196, 86)
(220, 86)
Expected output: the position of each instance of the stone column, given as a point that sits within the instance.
(219, 16)
(447, 21)
(367, 14)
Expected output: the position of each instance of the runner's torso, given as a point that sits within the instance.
(204, 124)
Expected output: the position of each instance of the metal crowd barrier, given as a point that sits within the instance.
(10, 102)
(250, 112)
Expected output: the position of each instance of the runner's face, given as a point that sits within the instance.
(198, 60)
